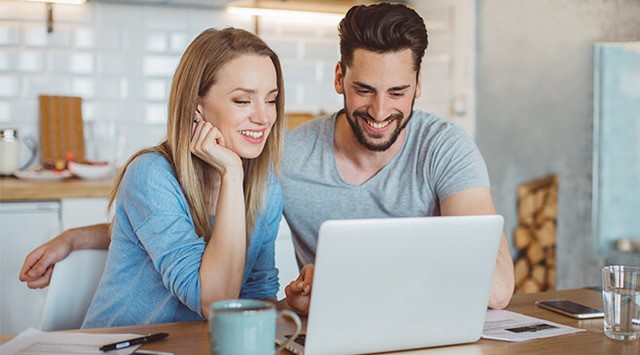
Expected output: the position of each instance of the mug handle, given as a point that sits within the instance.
(294, 317)
(32, 144)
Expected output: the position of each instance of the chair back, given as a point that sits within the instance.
(73, 283)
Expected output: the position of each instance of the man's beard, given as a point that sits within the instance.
(360, 134)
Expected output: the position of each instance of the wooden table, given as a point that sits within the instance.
(192, 337)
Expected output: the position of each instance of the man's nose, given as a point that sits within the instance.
(379, 107)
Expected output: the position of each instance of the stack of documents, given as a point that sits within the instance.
(511, 326)
(33, 341)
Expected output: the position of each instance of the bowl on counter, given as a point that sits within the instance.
(91, 170)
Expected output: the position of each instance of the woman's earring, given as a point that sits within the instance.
(197, 119)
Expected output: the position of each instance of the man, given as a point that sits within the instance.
(377, 157)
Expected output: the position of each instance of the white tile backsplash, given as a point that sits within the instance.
(115, 63)
(120, 59)
(9, 86)
(321, 50)
(9, 34)
(5, 60)
(299, 70)
(179, 41)
(69, 62)
(285, 47)
(155, 113)
(35, 85)
(84, 38)
(37, 36)
(5, 110)
(156, 42)
(111, 88)
(25, 113)
(162, 66)
(83, 87)
(30, 62)
(156, 90)
(82, 63)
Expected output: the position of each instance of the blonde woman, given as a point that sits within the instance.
(196, 217)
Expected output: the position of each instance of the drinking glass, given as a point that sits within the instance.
(621, 300)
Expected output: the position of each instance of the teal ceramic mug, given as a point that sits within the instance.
(246, 327)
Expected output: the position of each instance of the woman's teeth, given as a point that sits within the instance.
(252, 134)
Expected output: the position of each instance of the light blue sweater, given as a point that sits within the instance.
(152, 273)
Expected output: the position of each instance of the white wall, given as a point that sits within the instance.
(120, 59)
(535, 93)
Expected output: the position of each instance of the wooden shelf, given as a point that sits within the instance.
(13, 189)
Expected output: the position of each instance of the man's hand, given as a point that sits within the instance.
(38, 265)
(299, 291)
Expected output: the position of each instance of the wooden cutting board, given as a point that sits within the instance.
(61, 129)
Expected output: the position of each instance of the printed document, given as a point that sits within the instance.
(511, 326)
(35, 342)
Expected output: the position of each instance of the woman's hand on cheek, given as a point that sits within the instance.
(207, 143)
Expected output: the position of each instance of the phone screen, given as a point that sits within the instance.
(571, 308)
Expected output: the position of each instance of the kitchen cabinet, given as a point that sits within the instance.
(23, 226)
(30, 214)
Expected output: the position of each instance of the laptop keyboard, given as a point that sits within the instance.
(300, 339)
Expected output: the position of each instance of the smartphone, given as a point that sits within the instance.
(571, 309)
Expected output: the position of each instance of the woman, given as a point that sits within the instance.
(169, 257)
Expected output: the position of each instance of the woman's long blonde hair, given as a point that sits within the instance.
(198, 70)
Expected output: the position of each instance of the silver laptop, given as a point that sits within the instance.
(399, 283)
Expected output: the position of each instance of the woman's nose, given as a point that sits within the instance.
(260, 115)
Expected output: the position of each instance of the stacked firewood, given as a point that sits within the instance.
(535, 236)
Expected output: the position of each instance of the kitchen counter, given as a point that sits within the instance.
(13, 189)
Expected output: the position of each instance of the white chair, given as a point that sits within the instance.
(73, 283)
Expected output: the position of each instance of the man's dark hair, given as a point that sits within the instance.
(382, 28)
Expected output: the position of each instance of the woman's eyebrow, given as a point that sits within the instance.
(251, 91)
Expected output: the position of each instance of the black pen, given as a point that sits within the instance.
(131, 342)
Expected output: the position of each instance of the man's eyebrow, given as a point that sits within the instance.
(371, 88)
(399, 88)
(363, 86)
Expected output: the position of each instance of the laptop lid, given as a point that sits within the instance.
(401, 283)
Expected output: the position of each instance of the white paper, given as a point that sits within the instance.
(33, 342)
(511, 326)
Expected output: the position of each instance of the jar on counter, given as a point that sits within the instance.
(10, 151)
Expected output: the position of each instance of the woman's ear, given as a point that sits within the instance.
(199, 110)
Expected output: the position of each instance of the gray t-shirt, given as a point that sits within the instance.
(437, 160)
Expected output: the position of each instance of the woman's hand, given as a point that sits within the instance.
(299, 291)
(207, 143)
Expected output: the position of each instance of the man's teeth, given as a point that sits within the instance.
(378, 125)
(252, 134)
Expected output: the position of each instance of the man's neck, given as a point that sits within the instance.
(357, 164)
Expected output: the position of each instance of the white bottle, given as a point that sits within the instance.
(9, 151)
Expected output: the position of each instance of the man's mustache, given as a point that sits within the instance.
(365, 115)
